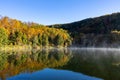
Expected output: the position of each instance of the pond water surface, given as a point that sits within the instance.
(61, 64)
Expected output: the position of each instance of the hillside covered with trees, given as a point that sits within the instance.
(15, 32)
(103, 31)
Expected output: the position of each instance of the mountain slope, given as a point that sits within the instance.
(97, 31)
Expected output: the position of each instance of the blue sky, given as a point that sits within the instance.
(57, 11)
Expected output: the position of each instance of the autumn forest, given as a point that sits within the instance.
(15, 32)
(103, 31)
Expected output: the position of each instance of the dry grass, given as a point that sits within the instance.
(15, 48)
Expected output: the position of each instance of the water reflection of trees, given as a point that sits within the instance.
(103, 64)
(12, 63)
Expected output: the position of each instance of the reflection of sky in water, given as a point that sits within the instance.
(52, 74)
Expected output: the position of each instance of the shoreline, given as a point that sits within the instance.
(7, 48)
(27, 47)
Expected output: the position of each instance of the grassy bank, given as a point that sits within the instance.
(15, 47)
(26, 47)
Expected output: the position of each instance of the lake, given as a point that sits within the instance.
(61, 64)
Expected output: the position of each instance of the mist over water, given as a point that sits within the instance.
(94, 48)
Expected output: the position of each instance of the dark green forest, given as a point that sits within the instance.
(100, 31)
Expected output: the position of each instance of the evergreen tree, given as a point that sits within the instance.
(59, 40)
(39, 39)
(3, 36)
(45, 41)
